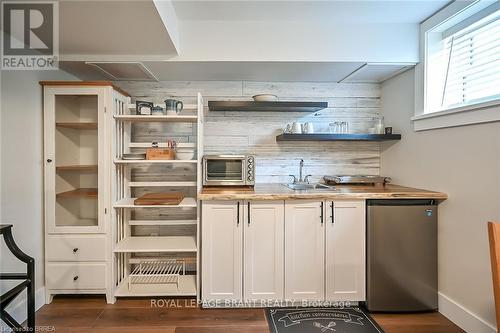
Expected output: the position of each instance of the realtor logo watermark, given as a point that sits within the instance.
(30, 35)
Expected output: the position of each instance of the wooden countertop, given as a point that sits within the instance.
(346, 192)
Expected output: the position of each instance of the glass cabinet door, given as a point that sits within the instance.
(76, 123)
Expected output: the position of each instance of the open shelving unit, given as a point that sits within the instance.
(153, 242)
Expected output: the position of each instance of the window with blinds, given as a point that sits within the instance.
(465, 66)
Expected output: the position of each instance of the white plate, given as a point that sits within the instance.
(265, 98)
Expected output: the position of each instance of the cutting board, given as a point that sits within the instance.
(171, 198)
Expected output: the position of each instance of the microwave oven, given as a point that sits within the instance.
(228, 170)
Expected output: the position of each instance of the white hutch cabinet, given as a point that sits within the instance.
(77, 123)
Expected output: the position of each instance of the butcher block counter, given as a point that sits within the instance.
(339, 192)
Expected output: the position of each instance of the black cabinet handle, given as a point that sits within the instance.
(322, 217)
(75, 278)
(238, 214)
(248, 213)
(75, 250)
(49, 160)
(333, 212)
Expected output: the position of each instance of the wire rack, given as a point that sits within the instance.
(157, 271)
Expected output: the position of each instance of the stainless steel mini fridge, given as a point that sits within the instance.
(401, 255)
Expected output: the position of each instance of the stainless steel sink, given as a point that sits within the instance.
(307, 186)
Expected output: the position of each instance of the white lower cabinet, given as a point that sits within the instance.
(274, 250)
(345, 251)
(304, 250)
(263, 276)
(222, 250)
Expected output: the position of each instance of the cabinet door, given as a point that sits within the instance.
(75, 152)
(304, 250)
(345, 251)
(222, 247)
(264, 236)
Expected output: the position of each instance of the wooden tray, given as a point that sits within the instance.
(171, 198)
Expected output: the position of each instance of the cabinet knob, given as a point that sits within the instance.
(49, 160)
(75, 250)
(75, 278)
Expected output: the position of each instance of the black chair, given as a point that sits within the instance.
(27, 281)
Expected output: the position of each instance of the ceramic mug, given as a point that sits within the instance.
(296, 128)
(308, 128)
(173, 106)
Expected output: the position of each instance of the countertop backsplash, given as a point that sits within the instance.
(255, 132)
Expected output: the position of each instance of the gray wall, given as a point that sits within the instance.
(464, 162)
(21, 166)
(255, 132)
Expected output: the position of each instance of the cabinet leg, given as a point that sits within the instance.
(48, 297)
(110, 299)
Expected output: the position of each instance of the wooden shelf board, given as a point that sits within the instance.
(84, 84)
(129, 203)
(79, 192)
(186, 282)
(76, 168)
(338, 137)
(152, 118)
(276, 106)
(79, 223)
(162, 222)
(161, 184)
(153, 161)
(156, 244)
(83, 126)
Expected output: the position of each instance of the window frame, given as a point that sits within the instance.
(456, 116)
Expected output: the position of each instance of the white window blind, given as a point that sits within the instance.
(472, 64)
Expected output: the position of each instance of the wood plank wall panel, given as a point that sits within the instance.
(255, 132)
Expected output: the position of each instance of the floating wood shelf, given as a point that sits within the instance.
(82, 126)
(338, 137)
(79, 192)
(76, 168)
(266, 106)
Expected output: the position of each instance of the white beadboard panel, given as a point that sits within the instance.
(168, 89)
(255, 132)
(311, 89)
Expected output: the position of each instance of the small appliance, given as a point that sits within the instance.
(228, 170)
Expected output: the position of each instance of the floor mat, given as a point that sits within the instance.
(321, 320)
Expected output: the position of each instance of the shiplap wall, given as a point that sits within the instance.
(255, 132)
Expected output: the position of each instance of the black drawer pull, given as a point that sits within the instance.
(75, 278)
(75, 250)
(321, 216)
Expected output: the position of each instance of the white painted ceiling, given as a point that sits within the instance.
(139, 31)
(116, 28)
(354, 11)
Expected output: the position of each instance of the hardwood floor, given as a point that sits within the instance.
(92, 314)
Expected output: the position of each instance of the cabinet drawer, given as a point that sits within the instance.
(76, 276)
(76, 248)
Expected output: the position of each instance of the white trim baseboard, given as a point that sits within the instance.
(17, 308)
(462, 317)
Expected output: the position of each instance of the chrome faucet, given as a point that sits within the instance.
(301, 180)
